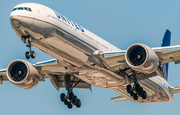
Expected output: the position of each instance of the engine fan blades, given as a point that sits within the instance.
(137, 56)
(18, 71)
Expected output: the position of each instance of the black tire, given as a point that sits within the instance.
(128, 88)
(75, 100)
(78, 104)
(62, 97)
(27, 55)
(33, 55)
(71, 96)
(132, 93)
(65, 102)
(144, 96)
(135, 97)
(140, 92)
(69, 106)
(137, 87)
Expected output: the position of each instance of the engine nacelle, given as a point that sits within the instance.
(142, 58)
(22, 74)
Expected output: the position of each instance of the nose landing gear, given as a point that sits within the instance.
(28, 39)
(30, 54)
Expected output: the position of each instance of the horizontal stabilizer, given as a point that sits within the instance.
(120, 98)
(174, 90)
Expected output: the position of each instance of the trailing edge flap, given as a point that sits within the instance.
(120, 98)
(174, 90)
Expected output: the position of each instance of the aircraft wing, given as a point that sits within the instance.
(174, 90)
(115, 60)
(168, 54)
(51, 69)
(3, 76)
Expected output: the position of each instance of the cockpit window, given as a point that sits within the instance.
(14, 9)
(22, 8)
(29, 9)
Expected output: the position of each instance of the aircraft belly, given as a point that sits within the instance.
(100, 77)
(54, 41)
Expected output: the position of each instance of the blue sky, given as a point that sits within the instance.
(122, 23)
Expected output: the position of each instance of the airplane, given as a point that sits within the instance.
(82, 59)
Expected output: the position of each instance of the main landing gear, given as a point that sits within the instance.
(70, 99)
(136, 91)
(30, 53)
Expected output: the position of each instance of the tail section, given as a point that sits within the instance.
(166, 39)
(165, 42)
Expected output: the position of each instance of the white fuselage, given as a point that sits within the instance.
(74, 46)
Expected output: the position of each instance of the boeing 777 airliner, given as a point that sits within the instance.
(82, 59)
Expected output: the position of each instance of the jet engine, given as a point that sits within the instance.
(142, 58)
(22, 74)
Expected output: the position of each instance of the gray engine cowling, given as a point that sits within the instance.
(22, 74)
(142, 58)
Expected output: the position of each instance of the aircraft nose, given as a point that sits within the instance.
(15, 21)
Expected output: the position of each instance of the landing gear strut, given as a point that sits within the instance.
(136, 91)
(30, 53)
(70, 99)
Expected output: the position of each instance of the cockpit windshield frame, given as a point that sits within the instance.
(22, 8)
